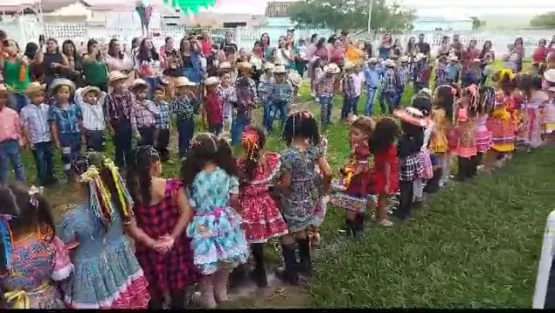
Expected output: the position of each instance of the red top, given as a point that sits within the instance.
(469, 55)
(378, 171)
(360, 184)
(213, 107)
(206, 47)
(539, 54)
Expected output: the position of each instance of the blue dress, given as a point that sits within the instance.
(216, 227)
(106, 273)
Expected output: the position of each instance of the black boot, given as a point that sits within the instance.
(259, 273)
(432, 186)
(359, 223)
(239, 276)
(462, 172)
(349, 229)
(290, 273)
(305, 267)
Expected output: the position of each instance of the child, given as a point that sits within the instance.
(247, 98)
(34, 121)
(453, 70)
(423, 72)
(300, 190)
(349, 92)
(472, 74)
(107, 274)
(212, 114)
(442, 117)
(161, 214)
(441, 72)
(33, 258)
(266, 81)
(483, 135)
(390, 88)
(66, 121)
(535, 99)
(11, 139)
(118, 116)
(385, 172)
(317, 71)
(465, 128)
(91, 101)
(423, 103)
(210, 177)
(183, 106)
(354, 188)
(324, 83)
(409, 146)
(259, 211)
(162, 131)
(372, 76)
(295, 80)
(548, 122)
(228, 96)
(143, 114)
(403, 71)
(279, 97)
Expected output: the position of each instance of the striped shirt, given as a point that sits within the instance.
(93, 114)
(35, 119)
(143, 115)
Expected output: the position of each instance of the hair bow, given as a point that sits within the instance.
(250, 142)
(33, 191)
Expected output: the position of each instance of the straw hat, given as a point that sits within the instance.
(549, 75)
(182, 81)
(390, 63)
(420, 56)
(269, 67)
(373, 60)
(139, 82)
(244, 66)
(280, 69)
(411, 115)
(295, 78)
(453, 58)
(404, 59)
(349, 66)
(58, 82)
(34, 88)
(211, 81)
(114, 76)
(331, 68)
(88, 89)
(224, 66)
(3, 89)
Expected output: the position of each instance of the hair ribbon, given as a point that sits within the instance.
(250, 142)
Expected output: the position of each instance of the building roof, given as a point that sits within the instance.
(26, 6)
(278, 8)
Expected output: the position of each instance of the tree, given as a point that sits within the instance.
(351, 15)
(546, 20)
(477, 23)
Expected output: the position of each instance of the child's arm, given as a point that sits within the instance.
(54, 132)
(138, 234)
(133, 118)
(387, 171)
(153, 108)
(326, 171)
(203, 113)
(185, 217)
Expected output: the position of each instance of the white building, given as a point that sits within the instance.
(442, 23)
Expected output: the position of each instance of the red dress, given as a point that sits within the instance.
(262, 219)
(174, 270)
(360, 184)
(378, 171)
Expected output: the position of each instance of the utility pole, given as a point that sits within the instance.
(370, 4)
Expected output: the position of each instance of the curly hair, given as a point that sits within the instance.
(301, 124)
(365, 123)
(422, 103)
(384, 135)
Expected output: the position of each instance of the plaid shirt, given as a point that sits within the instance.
(280, 92)
(10, 125)
(349, 87)
(404, 75)
(183, 107)
(67, 119)
(252, 87)
(35, 119)
(264, 88)
(390, 80)
(324, 86)
(143, 115)
(163, 118)
(118, 107)
(441, 75)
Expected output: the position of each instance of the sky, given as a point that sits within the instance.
(425, 7)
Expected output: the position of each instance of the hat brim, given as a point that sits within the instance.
(407, 118)
(61, 82)
(137, 85)
(91, 89)
(189, 84)
(117, 79)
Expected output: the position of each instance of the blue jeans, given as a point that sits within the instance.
(326, 104)
(277, 107)
(349, 106)
(266, 116)
(239, 123)
(123, 143)
(399, 96)
(185, 131)
(71, 148)
(370, 98)
(387, 101)
(95, 140)
(9, 152)
(42, 151)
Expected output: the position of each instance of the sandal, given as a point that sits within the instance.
(385, 223)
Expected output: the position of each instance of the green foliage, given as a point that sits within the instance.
(477, 23)
(351, 15)
(546, 20)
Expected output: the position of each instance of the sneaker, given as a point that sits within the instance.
(385, 223)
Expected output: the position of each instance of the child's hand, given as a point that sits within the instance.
(58, 145)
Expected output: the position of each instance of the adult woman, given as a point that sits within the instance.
(53, 61)
(256, 59)
(368, 49)
(116, 59)
(268, 50)
(301, 56)
(540, 54)
(94, 68)
(75, 62)
(31, 52)
(168, 49)
(397, 49)
(15, 69)
(412, 49)
(487, 56)
(337, 52)
(148, 63)
(470, 54)
(284, 53)
(444, 46)
(191, 66)
(170, 63)
(311, 48)
(384, 50)
(516, 53)
(134, 50)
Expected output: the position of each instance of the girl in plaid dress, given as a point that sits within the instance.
(408, 149)
(161, 215)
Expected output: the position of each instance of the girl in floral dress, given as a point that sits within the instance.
(535, 99)
(107, 274)
(161, 214)
(32, 258)
(465, 127)
(482, 133)
(261, 216)
(210, 178)
(354, 187)
(300, 191)
(442, 117)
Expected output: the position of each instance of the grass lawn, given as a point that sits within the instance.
(472, 245)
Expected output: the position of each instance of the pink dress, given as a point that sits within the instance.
(483, 135)
(530, 130)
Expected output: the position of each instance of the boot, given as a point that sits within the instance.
(239, 276)
(221, 278)
(359, 223)
(349, 229)
(290, 273)
(461, 173)
(205, 298)
(259, 273)
(305, 267)
(433, 184)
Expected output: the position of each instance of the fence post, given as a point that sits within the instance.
(544, 294)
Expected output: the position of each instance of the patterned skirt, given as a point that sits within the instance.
(483, 139)
(410, 168)
(502, 134)
(262, 219)
(340, 199)
(530, 132)
(426, 162)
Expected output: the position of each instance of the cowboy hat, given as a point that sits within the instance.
(182, 81)
(549, 75)
(331, 68)
(58, 82)
(34, 87)
(224, 66)
(211, 81)
(88, 89)
(404, 59)
(280, 69)
(389, 62)
(453, 58)
(420, 56)
(269, 67)
(411, 115)
(244, 66)
(475, 61)
(373, 60)
(139, 82)
(295, 78)
(349, 66)
(114, 76)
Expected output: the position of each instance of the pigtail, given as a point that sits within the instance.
(44, 217)
(224, 156)
(99, 197)
(138, 178)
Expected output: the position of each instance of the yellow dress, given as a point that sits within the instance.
(502, 125)
(438, 142)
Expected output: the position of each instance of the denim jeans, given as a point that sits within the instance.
(326, 105)
(123, 143)
(239, 123)
(266, 107)
(95, 140)
(387, 101)
(71, 148)
(162, 142)
(399, 96)
(147, 136)
(216, 129)
(277, 107)
(9, 152)
(42, 151)
(185, 130)
(370, 98)
(349, 106)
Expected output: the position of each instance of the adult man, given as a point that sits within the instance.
(457, 46)
(423, 47)
(228, 46)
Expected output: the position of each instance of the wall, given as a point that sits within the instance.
(426, 25)
(279, 22)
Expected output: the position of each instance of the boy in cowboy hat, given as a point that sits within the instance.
(423, 72)
(372, 80)
(266, 81)
(391, 87)
(91, 101)
(162, 130)
(279, 97)
(183, 106)
(143, 114)
(403, 71)
(11, 139)
(66, 121)
(325, 91)
(453, 69)
(349, 92)
(118, 115)
(212, 115)
(34, 121)
(247, 98)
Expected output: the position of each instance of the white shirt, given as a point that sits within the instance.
(358, 79)
(93, 115)
(427, 135)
